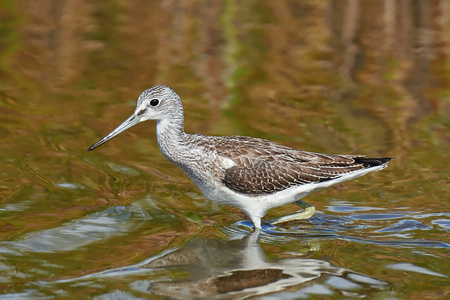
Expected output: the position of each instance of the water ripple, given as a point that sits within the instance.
(352, 228)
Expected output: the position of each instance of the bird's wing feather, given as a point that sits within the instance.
(264, 167)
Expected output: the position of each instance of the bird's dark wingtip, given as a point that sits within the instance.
(369, 162)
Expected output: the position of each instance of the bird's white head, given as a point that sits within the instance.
(156, 103)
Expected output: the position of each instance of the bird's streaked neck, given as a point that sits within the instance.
(171, 136)
(170, 128)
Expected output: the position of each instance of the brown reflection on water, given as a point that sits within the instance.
(374, 53)
(390, 48)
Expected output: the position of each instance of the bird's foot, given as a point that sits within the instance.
(308, 211)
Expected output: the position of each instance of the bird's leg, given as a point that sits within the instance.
(308, 211)
(257, 222)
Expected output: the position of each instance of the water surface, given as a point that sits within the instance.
(121, 222)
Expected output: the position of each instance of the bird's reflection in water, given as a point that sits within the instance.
(239, 269)
(236, 268)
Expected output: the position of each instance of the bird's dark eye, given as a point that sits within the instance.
(154, 102)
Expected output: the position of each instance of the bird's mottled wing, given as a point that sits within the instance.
(264, 167)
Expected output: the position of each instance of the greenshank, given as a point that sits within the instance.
(252, 174)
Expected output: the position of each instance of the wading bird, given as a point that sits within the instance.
(249, 173)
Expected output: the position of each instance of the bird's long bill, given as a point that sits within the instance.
(130, 122)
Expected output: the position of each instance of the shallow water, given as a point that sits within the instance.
(123, 223)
